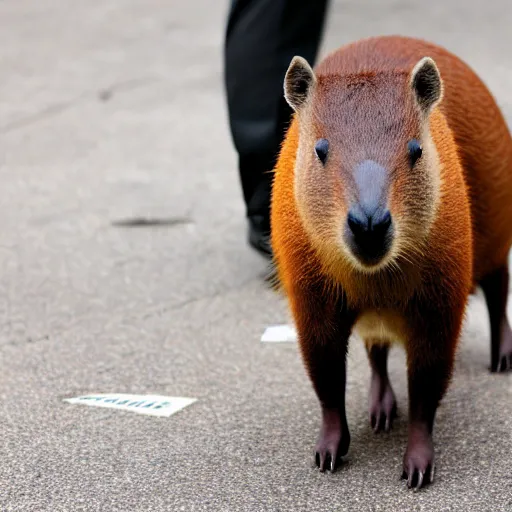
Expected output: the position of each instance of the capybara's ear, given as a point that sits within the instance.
(297, 82)
(427, 84)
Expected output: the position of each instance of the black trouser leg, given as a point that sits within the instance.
(262, 36)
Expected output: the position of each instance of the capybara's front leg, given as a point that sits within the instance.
(325, 360)
(430, 358)
(324, 326)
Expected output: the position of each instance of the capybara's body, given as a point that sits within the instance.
(392, 200)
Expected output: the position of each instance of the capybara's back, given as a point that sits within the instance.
(392, 200)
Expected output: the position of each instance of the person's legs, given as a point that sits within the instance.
(262, 37)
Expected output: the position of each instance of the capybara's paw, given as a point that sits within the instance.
(333, 441)
(382, 405)
(419, 464)
(504, 363)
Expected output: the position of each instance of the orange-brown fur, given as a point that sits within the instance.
(471, 229)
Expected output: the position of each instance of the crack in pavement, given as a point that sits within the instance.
(57, 108)
(187, 302)
(47, 112)
(120, 317)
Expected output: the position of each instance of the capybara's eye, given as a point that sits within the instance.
(415, 151)
(321, 149)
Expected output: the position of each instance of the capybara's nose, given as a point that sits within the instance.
(375, 224)
(369, 233)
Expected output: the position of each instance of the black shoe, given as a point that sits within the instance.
(259, 235)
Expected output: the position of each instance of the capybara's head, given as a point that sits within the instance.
(367, 171)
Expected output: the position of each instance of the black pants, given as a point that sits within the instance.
(262, 36)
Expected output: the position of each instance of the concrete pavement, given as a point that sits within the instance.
(111, 111)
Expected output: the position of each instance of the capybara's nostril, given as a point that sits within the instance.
(358, 223)
(380, 222)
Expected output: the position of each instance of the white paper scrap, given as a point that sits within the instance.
(279, 334)
(153, 405)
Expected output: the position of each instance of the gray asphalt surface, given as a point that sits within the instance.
(113, 110)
